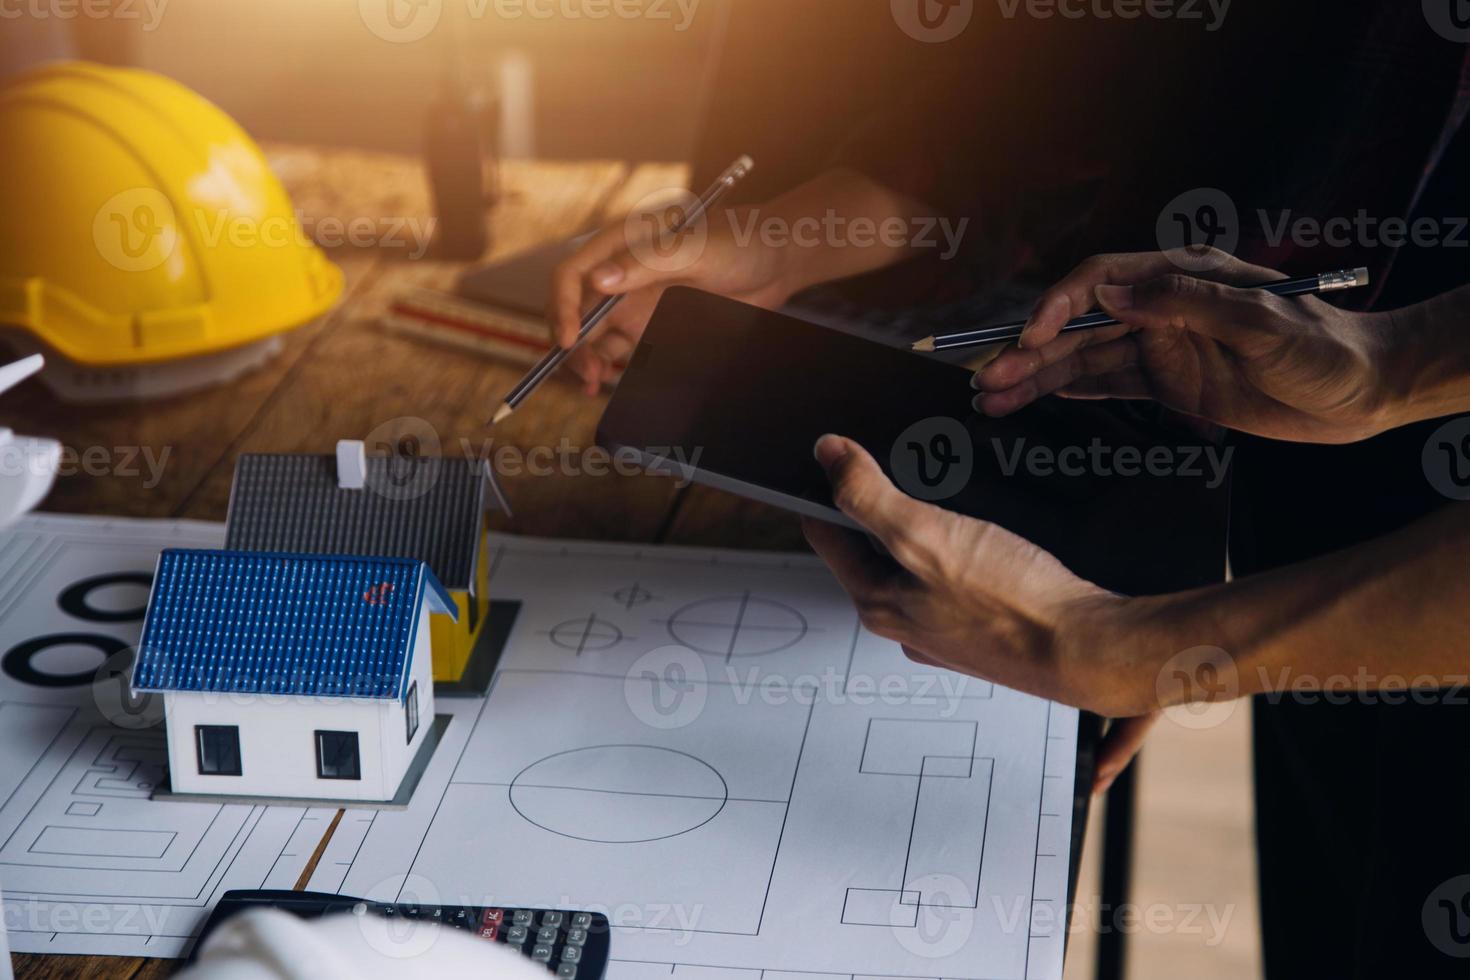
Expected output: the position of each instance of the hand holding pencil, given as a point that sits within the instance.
(1209, 345)
(614, 281)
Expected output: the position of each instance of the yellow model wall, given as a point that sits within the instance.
(452, 642)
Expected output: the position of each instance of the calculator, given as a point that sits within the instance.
(571, 945)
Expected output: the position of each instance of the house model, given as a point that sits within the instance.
(290, 676)
(429, 509)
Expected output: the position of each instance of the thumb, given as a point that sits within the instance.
(625, 273)
(863, 492)
(1224, 313)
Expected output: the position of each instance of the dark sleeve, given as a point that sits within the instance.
(1024, 134)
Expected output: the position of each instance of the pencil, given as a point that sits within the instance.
(547, 366)
(1327, 282)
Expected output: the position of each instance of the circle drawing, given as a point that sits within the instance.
(20, 661)
(588, 633)
(77, 599)
(619, 794)
(737, 626)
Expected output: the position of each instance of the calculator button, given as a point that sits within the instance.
(521, 917)
(553, 919)
(547, 935)
(491, 932)
(571, 954)
(566, 971)
(517, 935)
(582, 920)
(541, 953)
(576, 937)
(493, 917)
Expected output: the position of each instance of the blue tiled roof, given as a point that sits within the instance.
(252, 622)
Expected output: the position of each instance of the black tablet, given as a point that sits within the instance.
(735, 397)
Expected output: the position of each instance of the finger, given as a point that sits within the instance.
(1017, 364)
(1130, 385)
(613, 347)
(585, 363)
(600, 357)
(860, 570)
(1076, 293)
(1228, 314)
(568, 286)
(1122, 742)
(912, 532)
(1092, 360)
(919, 657)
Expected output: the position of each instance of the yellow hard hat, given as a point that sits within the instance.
(139, 223)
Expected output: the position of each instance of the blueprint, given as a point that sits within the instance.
(88, 863)
(704, 745)
(708, 748)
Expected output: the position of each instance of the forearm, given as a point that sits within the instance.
(839, 225)
(1384, 615)
(1427, 357)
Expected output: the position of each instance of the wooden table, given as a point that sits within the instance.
(345, 376)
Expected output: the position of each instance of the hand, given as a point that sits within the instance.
(1119, 746)
(1291, 369)
(972, 597)
(617, 261)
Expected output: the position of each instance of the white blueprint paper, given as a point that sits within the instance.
(707, 747)
(703, 744)
(88, 863)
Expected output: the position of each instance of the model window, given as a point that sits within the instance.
(412, 709)
(219, 749)
(336, 756)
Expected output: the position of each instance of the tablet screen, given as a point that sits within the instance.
(743, 394)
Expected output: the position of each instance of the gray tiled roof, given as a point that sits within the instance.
(428, 509)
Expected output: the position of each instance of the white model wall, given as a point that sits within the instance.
(277, 744)
(396, 751)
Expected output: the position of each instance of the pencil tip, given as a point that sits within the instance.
(927, 345)
(501, 414)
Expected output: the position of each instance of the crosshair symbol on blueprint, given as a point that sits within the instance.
(588, 633)
(737, 626)
(633, 595)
